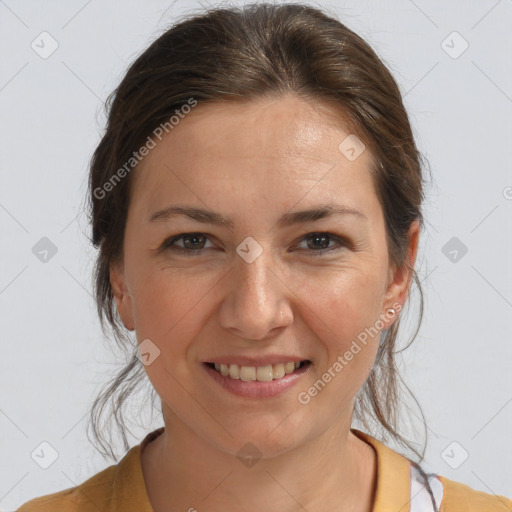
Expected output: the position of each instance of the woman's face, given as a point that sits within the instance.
(260, 288)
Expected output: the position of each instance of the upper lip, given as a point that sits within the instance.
(256, 361)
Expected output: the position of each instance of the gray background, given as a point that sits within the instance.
(53, 354)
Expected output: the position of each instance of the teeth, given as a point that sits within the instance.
(246, 372)
(264, 373)
(234, 371)
(260, 373)
(289, 367)
(278, 371)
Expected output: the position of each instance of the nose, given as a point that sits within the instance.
(257, 301)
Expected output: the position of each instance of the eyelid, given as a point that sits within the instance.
(342, 242)
(168, 243)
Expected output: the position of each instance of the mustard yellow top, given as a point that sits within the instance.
(121, 488)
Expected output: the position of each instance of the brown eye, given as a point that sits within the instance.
(320, 242)
(193, 243)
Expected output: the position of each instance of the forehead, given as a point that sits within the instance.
(282, 146)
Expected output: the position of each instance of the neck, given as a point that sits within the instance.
(332, 472)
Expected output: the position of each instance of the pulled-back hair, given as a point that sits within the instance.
(239, 55)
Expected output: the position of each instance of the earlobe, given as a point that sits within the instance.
(401, 277)
(121, 295)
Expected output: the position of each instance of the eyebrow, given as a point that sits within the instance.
(288, 219)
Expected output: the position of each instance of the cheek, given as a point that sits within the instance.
(167, 311)
(342, 313)
(345, 301)
(332, 305)
(171, 307)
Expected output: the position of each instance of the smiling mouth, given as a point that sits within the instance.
(258, 373)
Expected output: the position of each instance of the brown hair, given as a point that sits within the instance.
(242, 54)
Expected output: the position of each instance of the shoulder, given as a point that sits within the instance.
(92, 495)
(118, 487)
(460, 497)
(400, 480)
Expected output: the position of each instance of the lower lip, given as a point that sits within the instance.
(254, 388)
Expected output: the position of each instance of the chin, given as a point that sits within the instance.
(267, 440)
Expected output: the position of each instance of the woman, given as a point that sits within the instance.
(256, 200)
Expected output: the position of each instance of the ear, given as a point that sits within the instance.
(122, 297)
(400, 278)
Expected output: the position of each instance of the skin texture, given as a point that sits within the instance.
(253, 162)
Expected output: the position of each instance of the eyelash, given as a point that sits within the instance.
(168, 244)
